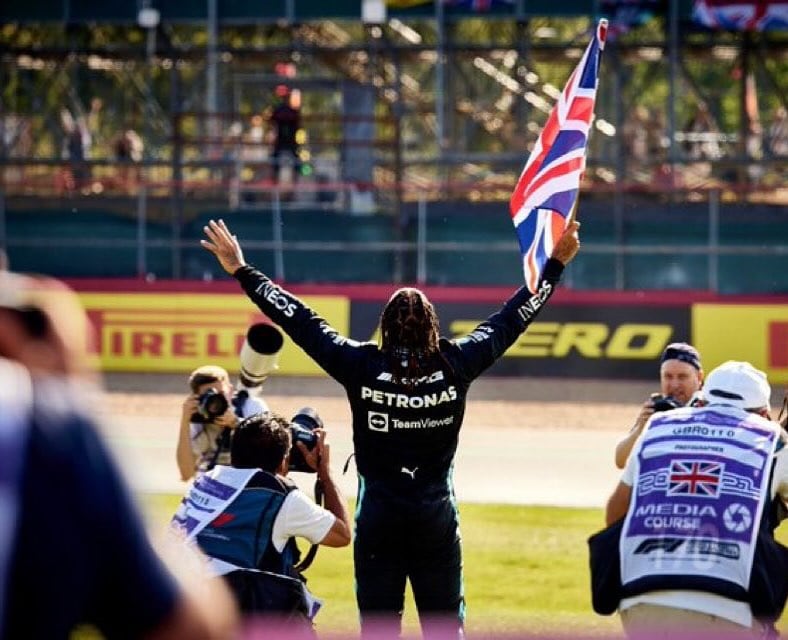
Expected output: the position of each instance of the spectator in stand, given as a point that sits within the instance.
(778, 133)
(754, 149)
(701, 131)
(93, 123)
(635, 132)
(129, 150)
(76, 147)
(286, 122)
(657, 140)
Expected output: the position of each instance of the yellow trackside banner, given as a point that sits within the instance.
(178, 332)
(756, 333)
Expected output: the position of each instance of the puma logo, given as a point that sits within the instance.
(412, 474)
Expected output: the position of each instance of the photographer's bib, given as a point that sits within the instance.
(697, 502)
(209, 498)
(210, 495)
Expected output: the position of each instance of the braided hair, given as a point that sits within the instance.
(409, 331)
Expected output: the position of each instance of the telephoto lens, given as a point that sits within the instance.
(259, 354)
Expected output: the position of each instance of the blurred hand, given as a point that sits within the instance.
(224, 245)
(567, 246)
(646, 411)
(190, 406)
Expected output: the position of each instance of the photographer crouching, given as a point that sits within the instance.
(210, 413)
(245, 517)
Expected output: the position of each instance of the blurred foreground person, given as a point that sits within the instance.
(72, 546)
(245, 518)
(689, 551)
(407, 398)
(680, 378)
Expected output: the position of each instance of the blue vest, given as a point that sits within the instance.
(242, 533)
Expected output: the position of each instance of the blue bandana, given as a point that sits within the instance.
(683, 352)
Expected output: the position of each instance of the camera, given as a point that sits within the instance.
(211, 404)
(302, 429)
(259, 354)
(664, 403)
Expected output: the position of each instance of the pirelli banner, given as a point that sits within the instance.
(175, 328)
(178, 332)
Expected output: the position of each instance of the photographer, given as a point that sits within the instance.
(689, 550)
(210, 413)
(249, 514)
(680, 378)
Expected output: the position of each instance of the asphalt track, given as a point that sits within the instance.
(524, 441)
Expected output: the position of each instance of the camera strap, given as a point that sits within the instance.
(222, 444)
(347, 463)
(239, 400)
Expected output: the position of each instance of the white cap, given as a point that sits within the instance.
(737, 384)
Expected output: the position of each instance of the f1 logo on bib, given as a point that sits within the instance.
(378, 421)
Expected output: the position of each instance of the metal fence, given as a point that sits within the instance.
(322, 233)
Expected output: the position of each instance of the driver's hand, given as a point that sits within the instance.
(224, 245)
(568, 244)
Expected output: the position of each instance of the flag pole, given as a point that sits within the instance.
(573, 215)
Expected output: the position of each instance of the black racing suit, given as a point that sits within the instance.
(405, 440)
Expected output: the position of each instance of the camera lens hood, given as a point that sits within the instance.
(308, 418)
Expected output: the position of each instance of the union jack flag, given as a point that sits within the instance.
(624, 15)
(695, 477)
(547, 189)
(735, 15)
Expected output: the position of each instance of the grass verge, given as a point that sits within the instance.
(525, 569)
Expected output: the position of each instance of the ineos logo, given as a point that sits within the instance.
(378, 421)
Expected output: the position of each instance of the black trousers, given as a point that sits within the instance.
(419, 543)
(276, 162)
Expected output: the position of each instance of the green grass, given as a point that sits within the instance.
(526, 571)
